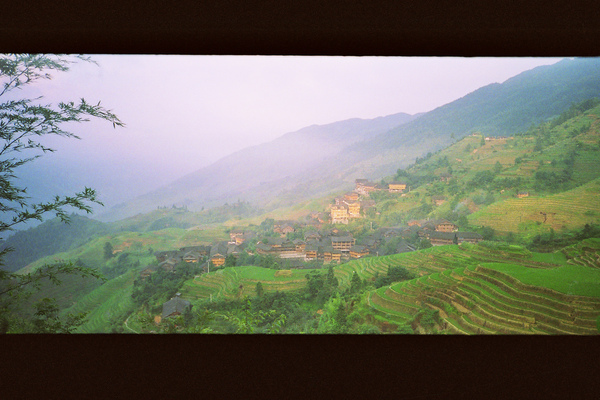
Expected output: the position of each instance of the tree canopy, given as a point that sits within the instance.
(22, 123)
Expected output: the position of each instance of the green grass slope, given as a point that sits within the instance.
(567, 210)
(234, 282)
(541, 294)
(107, 306)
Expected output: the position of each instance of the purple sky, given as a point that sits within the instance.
(185, 112)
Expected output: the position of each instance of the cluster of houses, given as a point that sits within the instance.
(349, 206)
(337, 245)
(441, 232)
(364, 187)
(325, 245)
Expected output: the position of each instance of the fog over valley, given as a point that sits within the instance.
(183, 113)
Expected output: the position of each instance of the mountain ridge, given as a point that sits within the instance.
(312, 168)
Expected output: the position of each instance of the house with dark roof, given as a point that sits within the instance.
(169, 264)
(312, 235)
(311, 252)
(218, 252)
(146, 272)
(240, 239)
(442, 238)
(358, 251)
(404, 247)
(396, 187)
(191, 257)
(175, 306)
(342, 243)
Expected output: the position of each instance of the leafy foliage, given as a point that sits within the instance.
(22, 123)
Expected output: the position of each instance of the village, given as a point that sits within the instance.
(308, 244)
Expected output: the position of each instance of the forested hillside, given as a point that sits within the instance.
(317, 160)
(51, 237)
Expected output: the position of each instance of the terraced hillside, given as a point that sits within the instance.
(570, 209)
(241, 281)
(440, 258)
(488, 299)
(585, 253)
(106, 304)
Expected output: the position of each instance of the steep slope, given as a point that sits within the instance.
(51, 237)
(495, 110)
(244, 173)
(319, 160)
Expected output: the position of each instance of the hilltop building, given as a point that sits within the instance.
(175, 306)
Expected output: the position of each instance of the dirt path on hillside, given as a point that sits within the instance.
(127, 326)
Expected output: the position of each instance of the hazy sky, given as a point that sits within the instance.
(184, 112)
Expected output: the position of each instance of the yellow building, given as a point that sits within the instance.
(339, 214)
(397, 187)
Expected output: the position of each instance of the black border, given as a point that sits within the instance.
(111, 366)
(309, 27)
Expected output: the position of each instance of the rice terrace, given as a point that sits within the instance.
(473, 216)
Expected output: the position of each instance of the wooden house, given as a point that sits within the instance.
(279, 226)
(218, 252)
(444, 238)
(235, 233)
(300, 245)
(396, 187)
(327, 254)
(169, 264)
(191, 257)
(353, 208)
(351, 196)
(522, 194)
(175, 306)
(311, 252)
(312, 235)
(342, 243)
(445, 226)
(339, 214)
(287, 228)
(146, 273)
(358, 251)
(336, 256)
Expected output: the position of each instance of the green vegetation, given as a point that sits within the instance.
(22, 123)
(536, 272)
(570, 279)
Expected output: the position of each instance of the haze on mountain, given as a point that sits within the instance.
(322, 159)
(184, 113)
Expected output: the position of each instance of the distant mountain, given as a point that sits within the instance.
(246, 173)
(321, 159)
(503, 109)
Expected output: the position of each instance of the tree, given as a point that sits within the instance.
(22, 123)
(259, 289)
(355, 283)
(108, 251)
(249, 321)
(398, 273)
(497, 167)
(229, 261)
(331, 280)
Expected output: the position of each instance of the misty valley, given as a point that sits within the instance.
(478, 217)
